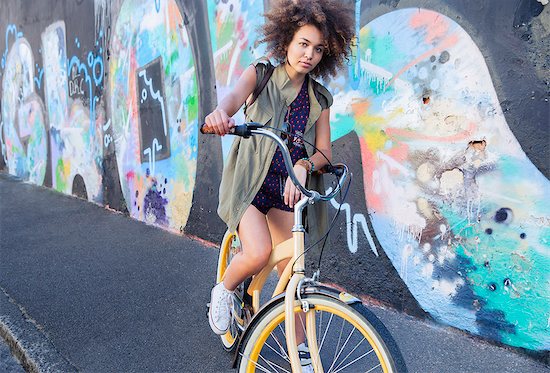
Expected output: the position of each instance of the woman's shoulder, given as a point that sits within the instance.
(322, 94)
(262, 61)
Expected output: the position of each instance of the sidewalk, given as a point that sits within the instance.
(86, 289)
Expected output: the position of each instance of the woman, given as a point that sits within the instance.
(309, 38)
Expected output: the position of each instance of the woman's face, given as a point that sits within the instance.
(306, 49)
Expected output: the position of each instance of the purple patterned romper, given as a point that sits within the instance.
(271, 193)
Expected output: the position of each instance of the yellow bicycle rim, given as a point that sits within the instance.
(318, 307)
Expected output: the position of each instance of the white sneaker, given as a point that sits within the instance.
(305, 358)
(219, 313)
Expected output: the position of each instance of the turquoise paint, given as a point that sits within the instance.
(341, 126)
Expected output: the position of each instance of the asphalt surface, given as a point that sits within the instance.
(86, 289)
(8, 363)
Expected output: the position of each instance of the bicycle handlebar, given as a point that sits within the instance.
(248, 129)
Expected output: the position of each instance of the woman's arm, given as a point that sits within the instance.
(220, 119)
(322, 141)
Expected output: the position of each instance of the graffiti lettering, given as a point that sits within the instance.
(352, 226)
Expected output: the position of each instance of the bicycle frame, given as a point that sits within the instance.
(306, 290)
(292, 249)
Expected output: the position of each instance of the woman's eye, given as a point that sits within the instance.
(319, 50)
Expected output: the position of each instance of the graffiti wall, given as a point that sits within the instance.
(442, 114)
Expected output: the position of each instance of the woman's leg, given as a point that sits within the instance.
(256, 248)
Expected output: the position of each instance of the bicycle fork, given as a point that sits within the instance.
(293, 289)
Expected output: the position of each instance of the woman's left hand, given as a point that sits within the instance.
(293, 194)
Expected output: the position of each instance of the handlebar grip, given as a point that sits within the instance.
(337, 170)
(242, 130)
(205, 129)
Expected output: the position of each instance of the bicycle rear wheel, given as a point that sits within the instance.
(230, 247)
(350, 339)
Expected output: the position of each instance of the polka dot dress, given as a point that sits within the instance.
(271, 193)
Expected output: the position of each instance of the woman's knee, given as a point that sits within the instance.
(258, 257)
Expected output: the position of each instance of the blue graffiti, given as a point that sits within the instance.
(356, 70)
(96, 64)
(83, 68)
(11, 29)
(38, 79)
(157, 5)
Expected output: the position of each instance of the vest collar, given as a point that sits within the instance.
(289, 93)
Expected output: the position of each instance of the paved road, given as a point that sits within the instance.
(8, 363)
(83, 288)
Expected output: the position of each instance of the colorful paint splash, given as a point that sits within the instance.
(454, 201)
(75, 124)
(234, 26)
(154, 105)
(23, 123)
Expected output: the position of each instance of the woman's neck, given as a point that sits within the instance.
(295, 77)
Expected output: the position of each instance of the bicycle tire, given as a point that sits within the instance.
(227, 250)
(255, 352)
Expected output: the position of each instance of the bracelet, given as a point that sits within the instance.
(307, 163)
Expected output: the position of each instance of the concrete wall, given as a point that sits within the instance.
(442, 115)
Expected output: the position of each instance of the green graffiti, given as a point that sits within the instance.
(192, 103)
(60, 183)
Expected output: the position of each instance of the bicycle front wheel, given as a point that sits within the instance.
(350, 339)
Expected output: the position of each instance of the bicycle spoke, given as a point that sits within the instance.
(277, 352)
(281, 347)
(302, 322)
(357, 359)
(272, 364)
(338, 344)
(351, 352)
(325, 334)
(263, 369)
(370, 370)
(343, 346)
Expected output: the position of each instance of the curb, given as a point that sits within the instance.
(30, 345)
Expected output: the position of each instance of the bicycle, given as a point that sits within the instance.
(341, 333)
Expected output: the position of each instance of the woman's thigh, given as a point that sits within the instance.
(280, 225)
(254, 234)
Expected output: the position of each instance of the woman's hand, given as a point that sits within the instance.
(293, 194)
(219, 121)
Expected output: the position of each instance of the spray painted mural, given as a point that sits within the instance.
(26, 145)
(450, 196)
(74, 118)
(67, 124)
(233, 25)
(154, 111)
(457, 206)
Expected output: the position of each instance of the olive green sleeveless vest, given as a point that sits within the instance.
(249, 159)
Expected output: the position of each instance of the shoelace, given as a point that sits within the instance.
(223, 308)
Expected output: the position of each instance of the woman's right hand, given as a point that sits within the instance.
(219, 121)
